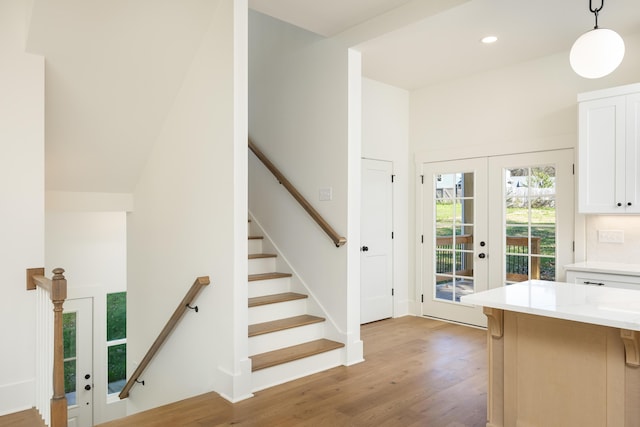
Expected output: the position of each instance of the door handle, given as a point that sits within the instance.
(364, 249)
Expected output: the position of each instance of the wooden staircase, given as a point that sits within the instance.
(285, 341)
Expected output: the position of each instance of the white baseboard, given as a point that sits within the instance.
(16, 397)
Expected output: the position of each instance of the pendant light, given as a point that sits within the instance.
(597, 52)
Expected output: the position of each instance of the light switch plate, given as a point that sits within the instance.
(610, 236)
(325, 194)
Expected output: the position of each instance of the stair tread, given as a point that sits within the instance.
(275, 298)
(256, 256)
(256, 237)
(267, 276)
(282, 324)
(289, 354)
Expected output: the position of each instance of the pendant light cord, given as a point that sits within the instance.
(596, 11)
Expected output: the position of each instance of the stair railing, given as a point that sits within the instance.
(185, 304)
(315, 215)
(49, 345)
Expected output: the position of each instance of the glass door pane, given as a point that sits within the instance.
(530, 223)
(69, 342)
(454, 236)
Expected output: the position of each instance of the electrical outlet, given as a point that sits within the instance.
(610, 236)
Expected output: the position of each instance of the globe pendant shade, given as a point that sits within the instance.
(597, 53)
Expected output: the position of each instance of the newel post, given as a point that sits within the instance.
(59, 400)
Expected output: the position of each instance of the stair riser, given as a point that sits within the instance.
(260, 288)
(262, 265)
(281, 310)
(281, 374)
(255, 246)
(287, 338)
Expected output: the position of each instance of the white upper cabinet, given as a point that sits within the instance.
(609, 151)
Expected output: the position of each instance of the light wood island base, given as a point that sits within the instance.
(546, 372)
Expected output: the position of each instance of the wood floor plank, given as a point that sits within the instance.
(417, 372)
(28, 418)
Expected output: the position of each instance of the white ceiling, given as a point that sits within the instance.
(114, 67)
(445, 45)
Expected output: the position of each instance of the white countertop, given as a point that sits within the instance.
(598, 305)
(605, 267)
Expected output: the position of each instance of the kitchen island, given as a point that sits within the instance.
(562, 354)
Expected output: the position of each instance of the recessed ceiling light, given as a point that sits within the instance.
(489, 39)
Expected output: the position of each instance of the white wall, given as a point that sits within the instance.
(301, 117)
(527, 107)
(21, 203)
(189, 221)
(522, 107)
(385, 136)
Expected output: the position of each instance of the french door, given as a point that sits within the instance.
(455, 238)
(490, 222)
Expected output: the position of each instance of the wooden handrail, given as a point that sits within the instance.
(337, 239)
(164, 334)
(57, 289)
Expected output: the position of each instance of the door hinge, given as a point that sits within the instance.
(391, 291)
(573, 245)
(392, 235)
(422, 298)
(393, 178)
(422, 238)
(421, 179)
(573, 169)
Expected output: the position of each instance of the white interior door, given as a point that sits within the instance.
(455, 238)
(78, 361)
(376, 260)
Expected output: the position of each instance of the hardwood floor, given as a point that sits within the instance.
(418, 372)
(28, 418)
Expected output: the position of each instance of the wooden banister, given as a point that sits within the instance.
(337, 239)
(164, 334)
(57, 290)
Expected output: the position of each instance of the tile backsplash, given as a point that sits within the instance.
(600, 227)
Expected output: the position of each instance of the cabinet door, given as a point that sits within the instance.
(632, 199)
(601, 150)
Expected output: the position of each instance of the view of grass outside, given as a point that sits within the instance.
(530, 211)
(116, 341)
(69, 342)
